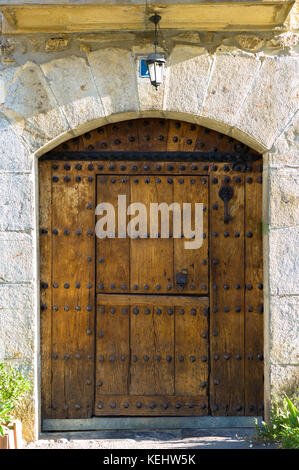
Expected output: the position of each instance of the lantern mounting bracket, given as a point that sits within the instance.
(155, 18)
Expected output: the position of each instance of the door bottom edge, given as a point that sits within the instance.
(149, 423)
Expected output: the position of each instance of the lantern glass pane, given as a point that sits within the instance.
(156, 70)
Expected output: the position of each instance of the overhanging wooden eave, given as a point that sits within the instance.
(244, 15)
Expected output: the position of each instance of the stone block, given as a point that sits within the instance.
(72, 83)
(283, 261)
(14, 154)
(29, 104)
(273, 100)
(285, 148)
(284, 343)
(231, 79)
(16, 196)
(284, 378)
(284, 198)
(16, 258)
(115, 77)
(187, 81)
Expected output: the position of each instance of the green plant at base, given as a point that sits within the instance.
(12, 387)
(283, 426)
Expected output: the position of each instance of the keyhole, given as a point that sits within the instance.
(226, 193)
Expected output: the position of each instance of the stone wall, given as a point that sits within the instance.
(53, 88)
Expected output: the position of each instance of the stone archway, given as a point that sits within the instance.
(48, 104)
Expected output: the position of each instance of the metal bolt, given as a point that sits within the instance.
(111, 358)
(260, 357)
(101, 357)
(250, 308)
(178, 405)
(204, 358)
(138, 404)
(170, 311)
(181, 358)
(226, 309)
(226, 287)
(192, 358)
(238, 309)
(100, 405)
(203, 384)
(147, 311)
(112, 310)
(66, 286)
(203, 406)
(135, 311)
(101, 334)
(238, 357)
(193, 311)
(158, 311)
(135, 359)
(88, 331)
(146, 358)
(226, 357)
(168, 358)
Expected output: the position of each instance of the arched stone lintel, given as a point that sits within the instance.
(49, 103)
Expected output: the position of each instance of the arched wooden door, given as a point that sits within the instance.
(142, 326)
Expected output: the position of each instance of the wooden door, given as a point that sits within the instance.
(120, 335)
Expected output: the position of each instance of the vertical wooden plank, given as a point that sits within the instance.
(45, 239)
(151, 258)
(254, 365)
(113, 254)
(113, 348)
(192, 189)
(227, 296)
(73, 293)
(153, 135)
(191, 348)
(152, 346)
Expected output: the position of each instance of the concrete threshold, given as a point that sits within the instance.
(148, 423)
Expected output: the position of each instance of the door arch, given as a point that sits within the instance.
(226, 372)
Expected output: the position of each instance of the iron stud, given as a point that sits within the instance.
(203, 384)
(101, 334)
(78, 308)
(170, 311)
(203, 406)
(192, 358)
(181, 358)
(204, 358)
(226, 309)
(238, 357)
(158, 311)
(101, 357)
(168, 358)
(135, 359)
(112, 310)
(124, 310)
(100, 405)
(135, 311)
(238, 309)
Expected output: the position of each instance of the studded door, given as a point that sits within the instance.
(141, 326)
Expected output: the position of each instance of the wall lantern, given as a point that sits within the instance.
(155, 62)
